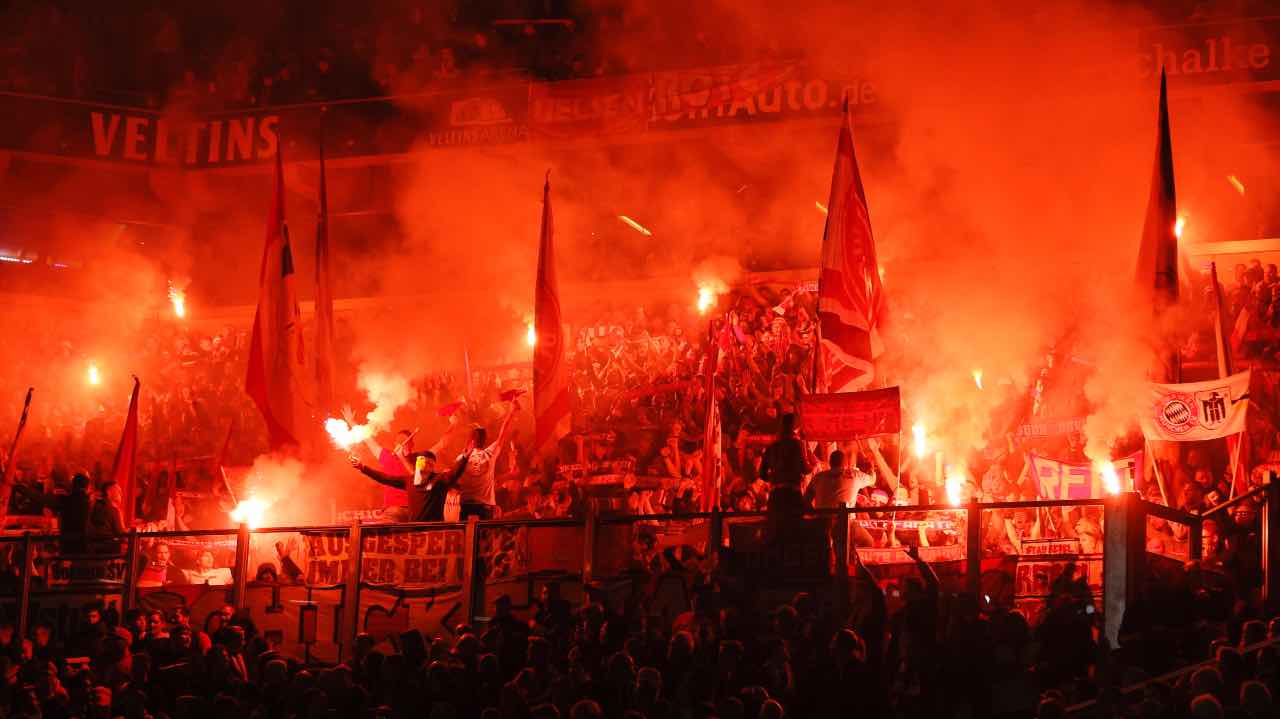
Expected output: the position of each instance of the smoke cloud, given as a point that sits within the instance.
(1007, 161)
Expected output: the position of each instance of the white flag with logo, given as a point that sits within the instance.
(1196, 410)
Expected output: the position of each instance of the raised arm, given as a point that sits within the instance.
(379, 477)
(926, 572)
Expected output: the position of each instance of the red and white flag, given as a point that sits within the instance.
(123, 468)
(277, 359)
(850, 299)
(551, 405)
(712, 438)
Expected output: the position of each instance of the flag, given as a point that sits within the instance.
(276, 354)
(712, 440)
(221, 459)
(324, 300)
(1158, 254)
(1195, 410)
(123, 468)
(550, 373)
(466, 367)
(1065, 480)
(11, 461)
(850, 300)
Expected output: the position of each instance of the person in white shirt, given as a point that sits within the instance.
(206, 573)
(477, 486)
(836, 487)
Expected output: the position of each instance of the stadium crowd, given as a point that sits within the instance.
(917, 650)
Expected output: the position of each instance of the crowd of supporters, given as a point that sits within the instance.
(915, 651)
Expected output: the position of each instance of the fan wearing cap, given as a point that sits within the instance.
(398, 464)
(426, 489)
(477, 486)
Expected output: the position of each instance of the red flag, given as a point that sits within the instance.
(324, 300)
(276, 355)
(123, 468)
(1158, 254)
(550, 373)
(712, 441)
(850, 300)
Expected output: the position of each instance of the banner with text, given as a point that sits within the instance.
(850, 415)
(409, 559)
(1065, 480)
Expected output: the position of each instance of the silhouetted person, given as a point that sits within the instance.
(783, 467)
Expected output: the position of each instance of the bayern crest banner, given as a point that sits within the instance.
(1197, 410)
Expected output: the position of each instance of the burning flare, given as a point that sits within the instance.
(918, 444)
(530, 335)
(636, 226)
(957, 478)
(343, 435)
(251, 511)
(179, 299)
(1110, 479)
(1179, 226)
(977, 378)
(94, 377)
(706, 299)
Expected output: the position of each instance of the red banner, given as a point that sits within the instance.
(850, 415)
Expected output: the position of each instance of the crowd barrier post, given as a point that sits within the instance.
(1124, 556)
(24, 577)
(241, 586)
(1270, 538)
(715, 535)
(973, 549)
(589, 530)
(129, 594)
(840, 546)
(351, 588)
(470, 545)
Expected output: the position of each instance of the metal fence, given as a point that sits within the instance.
(468, 565)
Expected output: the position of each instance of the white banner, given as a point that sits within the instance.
(1197, 410)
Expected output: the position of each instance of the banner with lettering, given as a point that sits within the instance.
(1065, 480)
(850, 415)
(95, 570)
(1195, 411)
(597, 106)
(1050, 428)
(417, 559)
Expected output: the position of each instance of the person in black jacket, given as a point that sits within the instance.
(73, 516)
(427, 488)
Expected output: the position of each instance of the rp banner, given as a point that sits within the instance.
(1196, 410)
(1061, 480)
(850, 415)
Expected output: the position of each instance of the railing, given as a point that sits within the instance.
(1124, 555)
